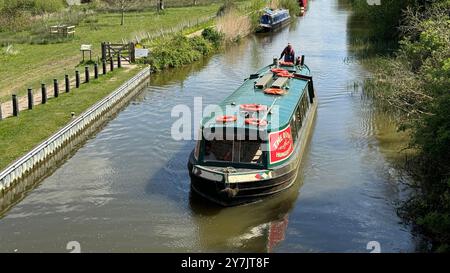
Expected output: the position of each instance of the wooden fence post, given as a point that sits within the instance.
(111, 64)
(56, 88)
(15, 105)
(43, 93)
(77, 79)
(103, 51)
(67, 83)
(132, 52)
(86, 74)
(104, 67)
(119, 61)
(30, 99)
(96, 71)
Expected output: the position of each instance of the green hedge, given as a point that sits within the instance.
(177, 50)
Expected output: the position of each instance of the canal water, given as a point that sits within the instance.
(127, 188)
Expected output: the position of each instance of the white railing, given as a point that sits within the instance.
(41, 152)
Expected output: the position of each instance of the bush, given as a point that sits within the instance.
(292, 6)
(213, 36)
(178, 50)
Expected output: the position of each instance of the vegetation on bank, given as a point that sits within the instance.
(232, 23)
(412, 79)
(177, 49)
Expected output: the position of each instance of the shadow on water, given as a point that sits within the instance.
(35, 177)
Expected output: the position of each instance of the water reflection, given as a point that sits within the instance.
(260, 227)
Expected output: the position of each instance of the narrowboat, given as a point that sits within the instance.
(273, 19)
(254, 149)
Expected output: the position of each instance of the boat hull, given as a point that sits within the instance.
(233, 194)
(240, 193)
(269, 28)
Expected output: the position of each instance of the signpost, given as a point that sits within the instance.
(141, 52)
(86, 48)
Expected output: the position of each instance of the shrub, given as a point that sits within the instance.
(292, 6)
(213, 36)
(178, 50)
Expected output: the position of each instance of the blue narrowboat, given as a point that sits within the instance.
(273, 19)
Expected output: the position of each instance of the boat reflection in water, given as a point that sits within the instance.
(255, 227)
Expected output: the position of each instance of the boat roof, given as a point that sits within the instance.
(247, 93)
(272, 12)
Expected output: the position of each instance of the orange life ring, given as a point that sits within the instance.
(253, 107)
(255, 121)
(278, 70)
(225, 119)
(274, 91)
(285, 75)
(286, 63)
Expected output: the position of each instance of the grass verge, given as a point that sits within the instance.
(19, 135)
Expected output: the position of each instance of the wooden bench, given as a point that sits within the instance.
(62, 30)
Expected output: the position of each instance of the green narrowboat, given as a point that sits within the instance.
(252, 149)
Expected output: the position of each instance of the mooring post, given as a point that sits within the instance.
(96, 71)
(43, 93)
(15, 105)
(30, 98)
(55, 88)
(77, 79)
(86, 74)
(111, 64)
(104, 67)
(67, 83)
(302, 62)
(132, 52)
(103, 51)
(119, 61)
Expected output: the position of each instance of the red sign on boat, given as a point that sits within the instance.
(281, 145)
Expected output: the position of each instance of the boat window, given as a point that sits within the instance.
(294, 129)
(250, 152)
(234, 151)
(299, 116)
(218, 150)
(265, 19)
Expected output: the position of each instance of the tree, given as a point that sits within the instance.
(122, 6)
(160, 5)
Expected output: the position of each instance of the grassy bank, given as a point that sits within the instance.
(25, 65)
(19, 135)
(412, 81)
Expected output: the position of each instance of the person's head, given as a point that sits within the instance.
(289, 46)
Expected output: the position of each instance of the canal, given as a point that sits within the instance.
(126, 189)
